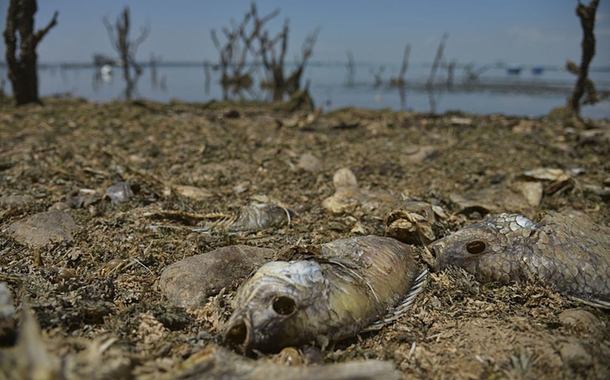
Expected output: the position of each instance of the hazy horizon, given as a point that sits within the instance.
(486, 32)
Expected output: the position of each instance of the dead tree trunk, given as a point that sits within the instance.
(234, 53)
(586, 14)
(400, 79)
(22, 70)
(437, 59)
(119, 37)
(450, 69)
(293, 83)
(351, 69)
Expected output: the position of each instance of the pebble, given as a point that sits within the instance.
(309, 163)
(189, 282)
(16, 200)
(579, 318)
(574, 353)
(8, 320)
(43, 228)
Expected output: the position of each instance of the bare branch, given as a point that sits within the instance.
(43, 32)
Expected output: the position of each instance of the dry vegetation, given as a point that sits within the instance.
(102, 284)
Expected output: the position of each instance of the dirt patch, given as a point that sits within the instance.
(103, 282)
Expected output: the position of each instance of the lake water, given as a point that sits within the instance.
(495, 91)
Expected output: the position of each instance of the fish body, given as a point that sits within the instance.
(570, 252)
(336, 291)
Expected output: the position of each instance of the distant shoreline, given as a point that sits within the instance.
(545, 67)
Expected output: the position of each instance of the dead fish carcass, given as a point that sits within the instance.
(568, 251)
(335, 291)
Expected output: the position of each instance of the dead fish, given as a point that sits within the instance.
(254, 217)
(334, 292)
(569, 252)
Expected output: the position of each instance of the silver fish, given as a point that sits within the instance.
(569, 252)
(334, 292)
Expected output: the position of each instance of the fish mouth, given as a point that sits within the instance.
(238, 333)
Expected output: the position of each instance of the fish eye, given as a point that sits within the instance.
(475, 247)
(284, 305)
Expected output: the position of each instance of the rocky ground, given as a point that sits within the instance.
(136, 187)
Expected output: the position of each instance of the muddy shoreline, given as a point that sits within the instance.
(191, 159)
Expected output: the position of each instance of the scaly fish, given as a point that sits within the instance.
(569, 252)
(336, 291)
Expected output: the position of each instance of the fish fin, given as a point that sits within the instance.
(404, 306)
(601, 304)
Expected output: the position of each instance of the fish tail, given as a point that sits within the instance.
(404, 306)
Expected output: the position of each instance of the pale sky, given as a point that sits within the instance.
(483, 31)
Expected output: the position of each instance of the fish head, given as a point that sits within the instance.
(490, 250)
(273, 308)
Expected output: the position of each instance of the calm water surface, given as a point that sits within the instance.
(496, 91)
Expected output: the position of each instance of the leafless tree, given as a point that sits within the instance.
(377, 74)
(127, 48)
(437, 59)
(450, 69)
(471, 75)
(584, 85)
(236, 49)
(240, 44)
(273, 58)
(153, 62)
(400, 79)
(351, 68)
(293, 83)
(22, 69)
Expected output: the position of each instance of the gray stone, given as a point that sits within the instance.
(189, 282)
(43, 228)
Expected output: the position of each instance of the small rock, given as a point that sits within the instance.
(8, 321)
(59, 206)
(119, 192)
(309, 163)
(348, 196)
(574, 353)
(16, 200)
(462, 121)
(83, 198)
(345, 178)
(532, 191)
(579, 318)
(415, 154)
(43, 228)
(192, 192)
(189, 282)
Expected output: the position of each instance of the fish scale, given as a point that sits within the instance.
(569, 251)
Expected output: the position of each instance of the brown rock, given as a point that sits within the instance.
(574, 353)
(8, 321)
(189, 282)
(16, 200)
(43, 228)
(309, 163)
(579, 318)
